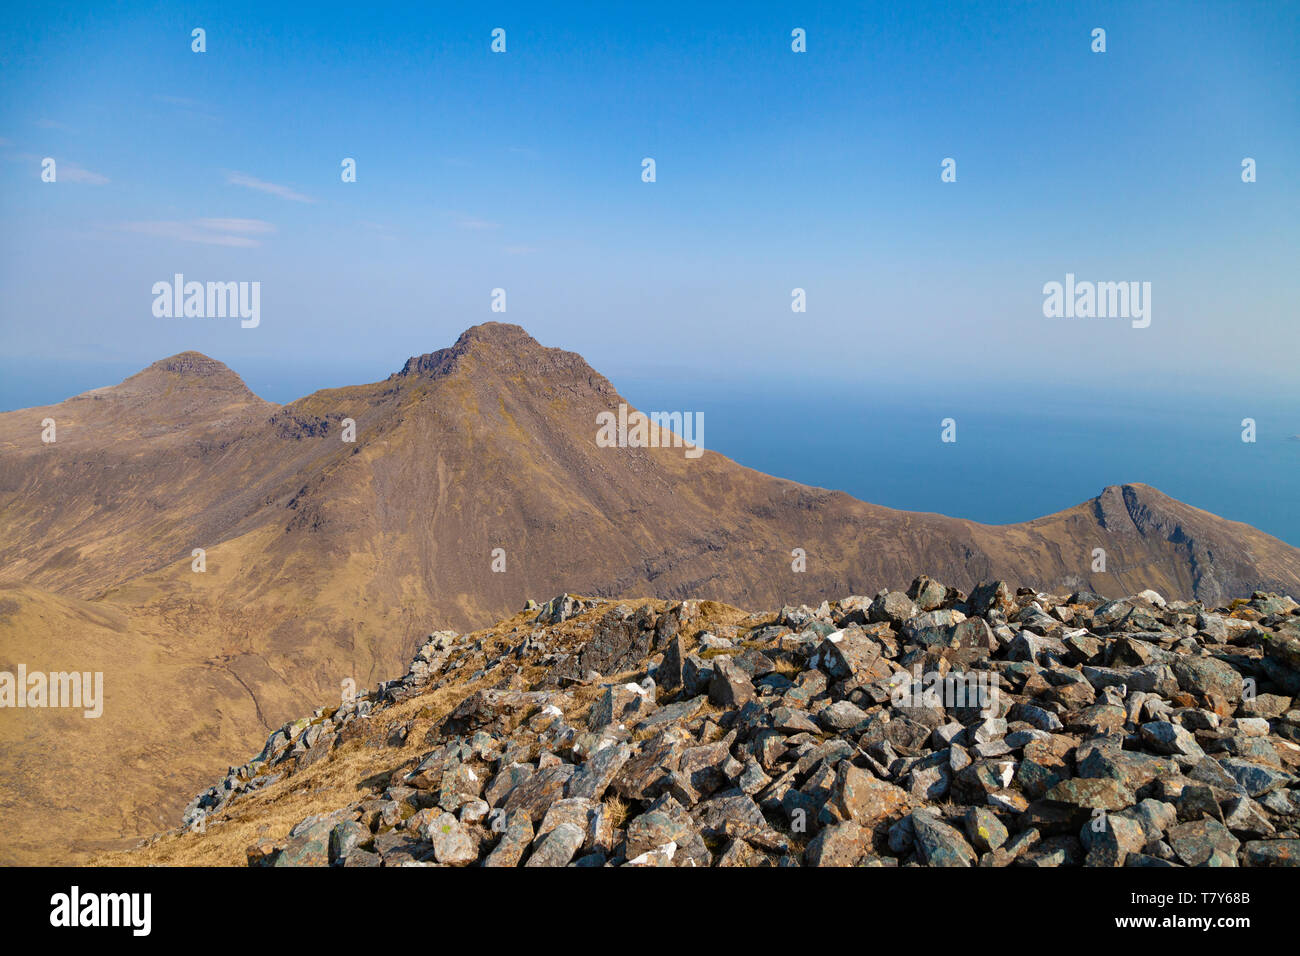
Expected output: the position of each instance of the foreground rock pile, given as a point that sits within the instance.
(926, 727)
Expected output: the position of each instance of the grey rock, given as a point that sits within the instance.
(938, 844)
(893, 607)
(1254, 778)
(1168, 738)
(452, 844)
(513, 843)
(558, 846)
(593, 778)
(843, 844)
(1198, 841)
(985, 831)
(730, 687)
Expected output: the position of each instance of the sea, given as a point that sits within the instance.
(1020, 452)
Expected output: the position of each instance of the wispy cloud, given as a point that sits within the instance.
(478, 225)
(261, 185)
(257, 226)
(185, 106)
(53, 124)
(70, 172)
(178, 101)
(211, 232)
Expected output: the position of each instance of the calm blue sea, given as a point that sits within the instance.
(1021, 451)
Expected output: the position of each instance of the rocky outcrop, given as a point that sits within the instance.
(1002, 728)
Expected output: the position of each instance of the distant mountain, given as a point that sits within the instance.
(327, 560)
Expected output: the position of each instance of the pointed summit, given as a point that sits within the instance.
(492, 340)
(198, 376)
(504, 348)
(178, 391)
(193, 364)
(191, 368)
(499, 334)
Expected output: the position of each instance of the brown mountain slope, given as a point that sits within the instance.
(136, 471)
(328, 560)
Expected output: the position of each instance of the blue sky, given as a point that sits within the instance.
(775, 170)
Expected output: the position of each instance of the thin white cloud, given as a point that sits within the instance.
(210, 232)
(261, 185)
(184, 106)
(478, 225)
(257, 226)
(70, 172)
(53, 124)
(178, 101)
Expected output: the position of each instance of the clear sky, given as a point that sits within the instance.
(775, 170)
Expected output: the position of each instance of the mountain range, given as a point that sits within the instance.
(326, 561)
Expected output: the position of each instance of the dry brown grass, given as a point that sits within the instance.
(357, 769)
(363, 767)
(785, 667)
(618, 809)
(352, 772)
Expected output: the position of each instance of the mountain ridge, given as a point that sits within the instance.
(327, 560)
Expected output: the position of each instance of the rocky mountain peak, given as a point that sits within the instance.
(499, 334)
(504, 348)
(189, 370)
(191, 363)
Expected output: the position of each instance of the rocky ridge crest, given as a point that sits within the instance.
(1133, 732)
